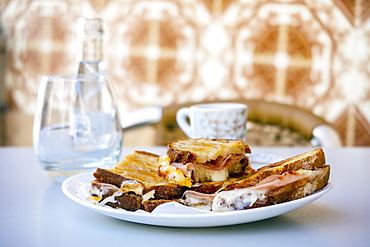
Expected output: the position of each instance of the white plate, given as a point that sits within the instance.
(177, 215)
(257, 160)
(263, 158)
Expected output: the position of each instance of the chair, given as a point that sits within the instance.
(269, 124)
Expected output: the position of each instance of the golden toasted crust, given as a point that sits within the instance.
(202, 150)
(139, 167)
(308, 161)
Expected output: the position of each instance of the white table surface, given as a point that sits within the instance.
(35, 212)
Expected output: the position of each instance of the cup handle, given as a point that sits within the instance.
(181, 116)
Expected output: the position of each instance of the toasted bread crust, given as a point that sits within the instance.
(106, 176)
(204, 150)
(207, 187)
(129, 201)
(308, 161)
(150, 205)
(167, 192)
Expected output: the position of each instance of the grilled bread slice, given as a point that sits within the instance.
(140, 166)
(133, 181)
(308, 161)
(190, 161)
(201, 150)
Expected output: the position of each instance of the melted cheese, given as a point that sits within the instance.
(236, 199)
(201, 174)
(172, 173)
(132, 186)
(148, 195)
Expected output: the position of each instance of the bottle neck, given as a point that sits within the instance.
(91, 39)
(92, 49)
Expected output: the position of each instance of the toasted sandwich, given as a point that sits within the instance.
(192, 161)
(144, 180)
(283, 181)
(131, 183)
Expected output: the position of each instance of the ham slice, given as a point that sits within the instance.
(224, 162)
(219, 164)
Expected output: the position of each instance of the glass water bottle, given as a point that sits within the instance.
(94, 100)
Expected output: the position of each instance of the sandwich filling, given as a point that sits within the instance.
(216, 170)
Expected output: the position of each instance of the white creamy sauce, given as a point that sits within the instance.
(102, 191)
(111, 198)
(237, 199)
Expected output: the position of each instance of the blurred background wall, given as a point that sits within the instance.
(314, 54)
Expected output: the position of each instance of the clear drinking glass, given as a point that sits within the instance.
(77, 126)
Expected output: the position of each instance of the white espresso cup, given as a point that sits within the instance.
(215, 121)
